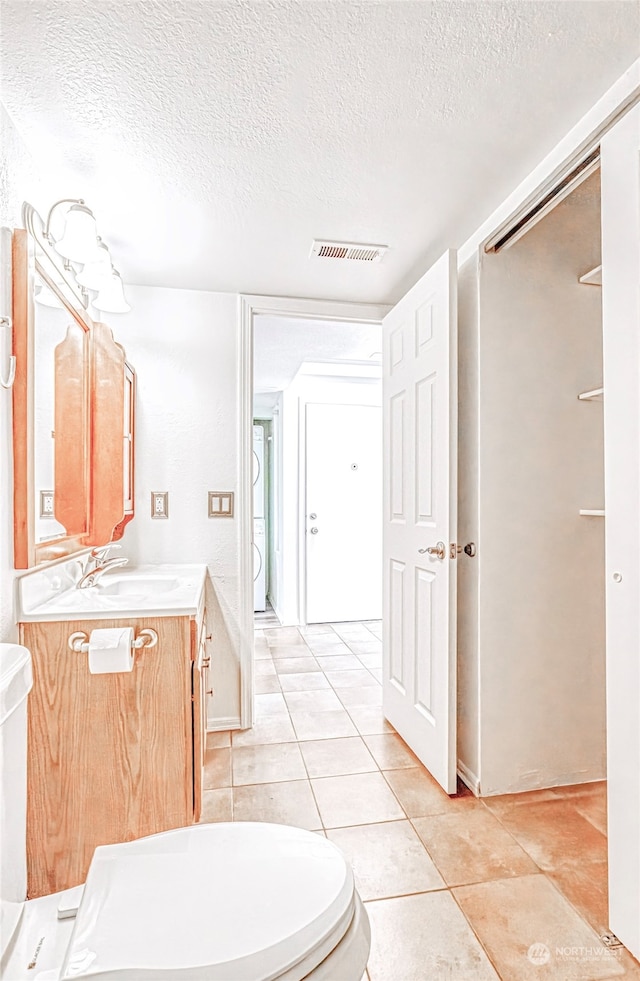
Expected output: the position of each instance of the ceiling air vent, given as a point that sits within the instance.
(347, 250)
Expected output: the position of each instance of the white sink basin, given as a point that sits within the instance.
(162, 590)
(136, 585)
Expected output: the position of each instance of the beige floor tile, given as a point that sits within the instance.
(376, 629)
(264, 668)
(261, 652)
(217, 805)
(352, 631)
(296, 665)
(360, 678)
(554, 834)
(387, 859)
(270, 705)
(217, 769)
(273, 763)
(323, 725)
(369, 720)
(279, 651)
(505, 802)
(424, 938)
(266, 684)
(419, 793)
(359, 798)
(370, 646)
(218, 740)
(589, 800)
(338, 662)
(279, 803)
(594, 810)
(316, 630)
(282, 635)
(324, 700)
(470, 845)
(330, 649)
(370, 661)
(522, 919)
(306, 681)
(333, 757)
(377, 674)
(276, 729)
(369, 695)
(586, 888)
(390, 751)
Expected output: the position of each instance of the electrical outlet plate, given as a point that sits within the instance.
(46, 504)
(221, 504)
(159, 504)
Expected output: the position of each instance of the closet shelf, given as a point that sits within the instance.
(595, 395)
(593, 277)
(591, 513)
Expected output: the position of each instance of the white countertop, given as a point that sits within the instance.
(127, 592)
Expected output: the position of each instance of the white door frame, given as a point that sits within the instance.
(274, 306)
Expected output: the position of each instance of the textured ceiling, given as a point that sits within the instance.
(281, 344)
(214, 140)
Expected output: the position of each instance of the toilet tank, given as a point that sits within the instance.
(15, 683)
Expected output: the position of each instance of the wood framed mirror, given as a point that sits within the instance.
(73, 408)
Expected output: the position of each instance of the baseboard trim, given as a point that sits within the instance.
(224, 723)
(468, 778)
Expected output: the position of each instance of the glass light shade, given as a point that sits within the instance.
(46, 298)
(111, 296)
(79, 240)
(94, 274)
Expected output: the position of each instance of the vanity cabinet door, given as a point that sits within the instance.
(110, 756)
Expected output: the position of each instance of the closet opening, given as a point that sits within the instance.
(542, 527)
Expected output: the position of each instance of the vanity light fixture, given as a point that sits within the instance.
(111, 295)
(93, 274)
(78, 245)
(79, 241)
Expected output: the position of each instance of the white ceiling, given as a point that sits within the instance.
(214, 139)
(282, 344)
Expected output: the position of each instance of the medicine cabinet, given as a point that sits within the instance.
(73, 411)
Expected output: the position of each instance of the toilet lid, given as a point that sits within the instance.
(226, 902)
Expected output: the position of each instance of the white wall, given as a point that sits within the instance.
(183, 345)
(287, 596)
(541, 565)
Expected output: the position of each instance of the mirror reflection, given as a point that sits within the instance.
(60, 501)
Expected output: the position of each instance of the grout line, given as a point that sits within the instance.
(482, 945)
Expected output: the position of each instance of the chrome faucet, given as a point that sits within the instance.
(97, 565)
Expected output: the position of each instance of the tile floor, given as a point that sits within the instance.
(457, 889)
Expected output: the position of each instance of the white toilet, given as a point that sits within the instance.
(222, 902)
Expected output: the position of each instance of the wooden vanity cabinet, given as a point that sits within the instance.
(111, 757)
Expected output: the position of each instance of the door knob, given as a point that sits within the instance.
(439, 550)
(314, 531)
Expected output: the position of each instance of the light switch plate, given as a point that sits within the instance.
(159, 504)
(221, 504)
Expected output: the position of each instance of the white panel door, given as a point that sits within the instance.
(420, 428)
(343, 512)
(621, 333)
